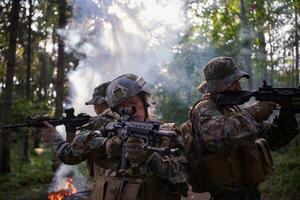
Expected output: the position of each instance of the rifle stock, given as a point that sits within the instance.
(288, 98)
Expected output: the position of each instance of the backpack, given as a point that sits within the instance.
(196, 174)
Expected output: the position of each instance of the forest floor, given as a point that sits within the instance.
(31, 181)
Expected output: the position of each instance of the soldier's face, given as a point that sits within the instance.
(136, 102)
(235, 86)
(100, 108)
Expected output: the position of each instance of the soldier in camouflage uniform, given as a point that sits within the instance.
(63, 149)
(231, 143)
(151, 175)
(101, 108)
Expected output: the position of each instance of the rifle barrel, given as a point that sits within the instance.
(16, 126)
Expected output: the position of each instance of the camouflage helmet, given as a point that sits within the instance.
(220, 73)
(124, 87)
(99, 94)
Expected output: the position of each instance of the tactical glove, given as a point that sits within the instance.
(262, 110)
(135, 151)
(113, 147)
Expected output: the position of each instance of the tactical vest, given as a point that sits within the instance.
(247, 165)
(132, 186)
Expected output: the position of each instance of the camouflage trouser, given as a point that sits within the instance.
(245, 194)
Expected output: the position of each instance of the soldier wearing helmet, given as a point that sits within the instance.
(128, 90)
(151, 175)
(231, 143)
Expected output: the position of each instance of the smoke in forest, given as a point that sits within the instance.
(121, 36)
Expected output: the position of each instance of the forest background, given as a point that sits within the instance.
(41, 58)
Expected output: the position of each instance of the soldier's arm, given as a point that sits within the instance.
(217, 131)
(171, 167)
(65, 153)
(281, 131)
(60, 146)
(80, 148)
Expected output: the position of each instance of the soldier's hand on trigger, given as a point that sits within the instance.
(135, 151)
(113, 147)
(262, 110)
(48, 132)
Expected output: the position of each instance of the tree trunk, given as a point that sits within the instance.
(262, 52)
(7, 100)
(28, 52)
(60, 70)
(246, 43)
(296, 44)
(271, 46)
(42, 81)
(271, 56)
(60, 62)
(284, 59)
(28, 75)
(43, 73)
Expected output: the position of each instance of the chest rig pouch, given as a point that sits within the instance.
(123, 188)
(116, 188)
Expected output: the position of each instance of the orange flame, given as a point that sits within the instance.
(68, 190)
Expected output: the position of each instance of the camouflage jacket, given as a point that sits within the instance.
(216, 128)
(91, 143)
(87, 143)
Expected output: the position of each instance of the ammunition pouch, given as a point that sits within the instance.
(115, 188)
(247, 165)
(265, 155)
(130, 188)
(223, 168)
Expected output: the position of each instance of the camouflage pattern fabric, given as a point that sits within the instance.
(89, 141)
(218, 128)
(220, 73)
(83, 144)
(101, 120)
(171, 168)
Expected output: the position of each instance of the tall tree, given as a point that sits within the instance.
(28, 52)
(6, 107)
(246, 42)
(297, 27)
(60, 61)
(261, 18)
(28, 73)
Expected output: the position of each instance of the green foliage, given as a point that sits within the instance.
(171, 107)
(28, 180)
(284, 183)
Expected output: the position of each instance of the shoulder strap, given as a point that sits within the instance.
(192, 132)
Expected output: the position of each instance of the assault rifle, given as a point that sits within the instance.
(149, 131)
(70, 120)
(287, 98)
